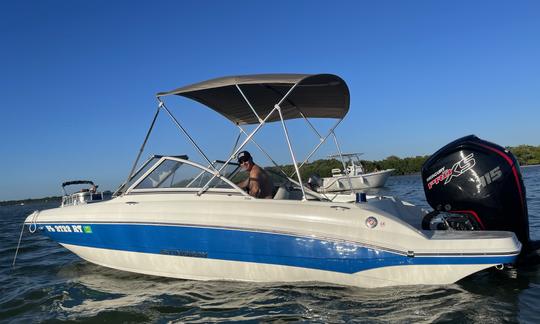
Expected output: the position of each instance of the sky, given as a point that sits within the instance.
(78, 78)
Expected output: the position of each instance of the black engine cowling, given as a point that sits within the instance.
(481, 180)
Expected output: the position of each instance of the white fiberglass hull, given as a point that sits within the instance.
(220, 237)
(207, 269)
(364, 181)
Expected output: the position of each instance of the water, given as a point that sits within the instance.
(50, 284)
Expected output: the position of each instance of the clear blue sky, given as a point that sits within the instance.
(78, 78)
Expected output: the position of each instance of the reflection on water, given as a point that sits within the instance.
(50, 283)
(92, 290)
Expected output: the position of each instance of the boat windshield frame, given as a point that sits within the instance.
(261, 121)
(133, 188)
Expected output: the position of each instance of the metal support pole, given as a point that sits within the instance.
(249, 103)
(343, 161)
(286, 95)
(261, 123)
(237, 139)
(311, 125)
(265, 153)
(144, 142)
(291, 151)
(236, 152)
(189, 137)
(277, 165)
(321, 142)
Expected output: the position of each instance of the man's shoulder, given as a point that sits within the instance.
(256, 170)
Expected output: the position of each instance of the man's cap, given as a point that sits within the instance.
(243, 156)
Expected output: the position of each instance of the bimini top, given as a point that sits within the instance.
(334, 156)
(315, 96)
(77, 182)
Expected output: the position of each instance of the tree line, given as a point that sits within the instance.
(525, 154)
(31, 201)
(324, 167)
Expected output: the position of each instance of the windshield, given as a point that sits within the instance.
(178, 174)
(135, 176)
(230, 172)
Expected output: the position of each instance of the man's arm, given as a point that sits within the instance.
(243, 184)
(254, 187)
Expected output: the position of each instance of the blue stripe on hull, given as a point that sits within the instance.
(246, 246)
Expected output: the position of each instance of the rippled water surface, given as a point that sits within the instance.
(50, 284)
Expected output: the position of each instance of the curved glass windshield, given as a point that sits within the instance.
(177, 174)
(142, 170)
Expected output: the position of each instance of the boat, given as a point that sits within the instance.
(352, 177)
(83, 196)
(175, 217)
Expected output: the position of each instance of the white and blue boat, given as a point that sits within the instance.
(177, 218)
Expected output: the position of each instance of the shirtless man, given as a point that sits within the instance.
(258, 184)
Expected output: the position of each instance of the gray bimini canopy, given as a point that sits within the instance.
(77, 182)
(315, 96)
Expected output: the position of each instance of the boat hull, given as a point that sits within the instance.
(210, 253)
(213, 269)
(365, 181)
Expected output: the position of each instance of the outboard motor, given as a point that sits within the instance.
(479, 185)
(314, 182)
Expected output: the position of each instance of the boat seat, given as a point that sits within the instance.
(282, 193)
(295, 194)
(336, 172)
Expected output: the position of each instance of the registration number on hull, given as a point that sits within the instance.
(69, 228)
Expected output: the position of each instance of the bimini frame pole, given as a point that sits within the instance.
(237, 139)
(218, 172)
(175, 121)
(249, 103)
(263, 151)
(143, 144)
(322, 195)
(261, 124)
(291, 151)
(311, 125)
(343, 161)
(322, 140)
